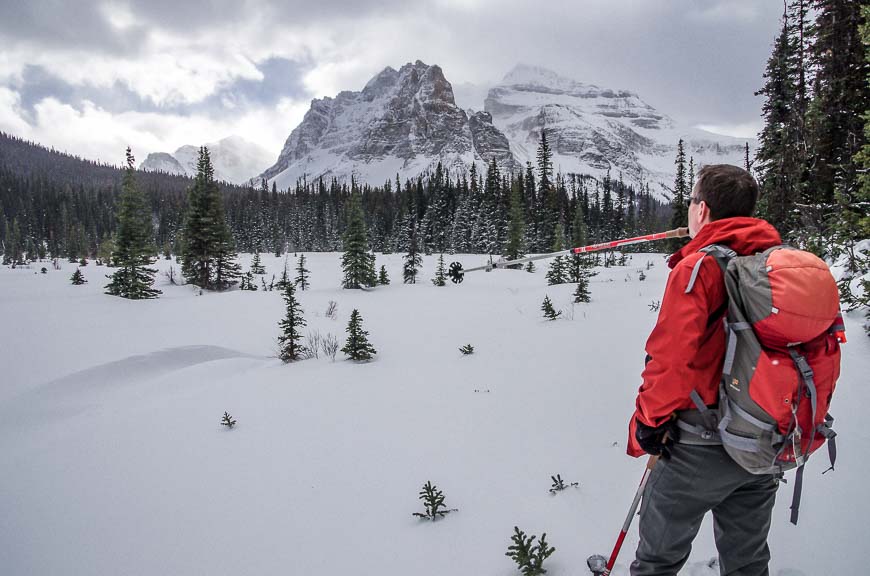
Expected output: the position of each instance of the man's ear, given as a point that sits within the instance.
(703, 212)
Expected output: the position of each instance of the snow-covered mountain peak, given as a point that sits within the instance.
(536, 76)
(594, 129)
(234, 158)
(403, 121)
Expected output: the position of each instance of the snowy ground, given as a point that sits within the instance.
(114, 461)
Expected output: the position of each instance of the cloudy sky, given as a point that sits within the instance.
(91, 77)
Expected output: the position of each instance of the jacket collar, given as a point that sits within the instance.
(742, 234)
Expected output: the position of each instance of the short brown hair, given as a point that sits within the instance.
(728, 190)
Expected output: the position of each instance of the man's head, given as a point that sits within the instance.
(721, 191)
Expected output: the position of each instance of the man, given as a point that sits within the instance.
(685, 352)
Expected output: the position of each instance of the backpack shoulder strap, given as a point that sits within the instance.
(723, 255)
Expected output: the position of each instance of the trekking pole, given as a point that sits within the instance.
(650, 463)
(596, 562)
(457, 274)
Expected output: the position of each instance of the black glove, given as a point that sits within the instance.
(657, 441)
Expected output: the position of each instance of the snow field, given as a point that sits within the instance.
(116, 462)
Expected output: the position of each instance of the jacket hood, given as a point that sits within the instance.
(742, 234)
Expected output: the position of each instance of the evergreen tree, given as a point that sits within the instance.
(208, 255)
(558, 271)
(528, 555)
(290, 348)
(285, 277)
(78, 278)
(228, 420)
(581, 293)
(413, 260)
(433, 500)
(606, 222)
(12, 245)
(247, 282)
(545, 163)
(134, 250)
(842, 94)
(574, 262)
(778, 158)
(548, 310)
(226, 269)
(357, 262)
(679, 214)
(516, 228)
(357, 346)
(302, 274)
(440, 273)
(256, 265)
(383, 279)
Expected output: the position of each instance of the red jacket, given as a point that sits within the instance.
(687, 346)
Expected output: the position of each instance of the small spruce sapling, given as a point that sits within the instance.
(581, 293)
(440, 273)
(290, 348)
(559, 484)
(641, 276)
(548, 310)
(228, 421)
(530, 267)
(655, 305)
(467, 349)
(247, 282)
(528, 555)
(256, 265)
(383, 279)
(282, 283)
(433, 501)
(302, 274)
(357, 346)
(78, 278)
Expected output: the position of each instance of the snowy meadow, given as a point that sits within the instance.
(116, 462)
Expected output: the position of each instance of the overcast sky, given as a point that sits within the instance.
(92, 77)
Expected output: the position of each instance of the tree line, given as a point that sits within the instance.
(71, 210)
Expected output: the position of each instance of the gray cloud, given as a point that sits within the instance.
(71, 24)
(282, 78)
(699, 62)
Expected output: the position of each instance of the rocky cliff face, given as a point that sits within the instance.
(593, 129)
(404, 121)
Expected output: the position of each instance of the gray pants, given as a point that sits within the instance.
(681, 490)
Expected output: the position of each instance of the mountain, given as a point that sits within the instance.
(403, 121)
(235, 160)
(593, 129)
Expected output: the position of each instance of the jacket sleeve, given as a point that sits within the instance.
(669, 375)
